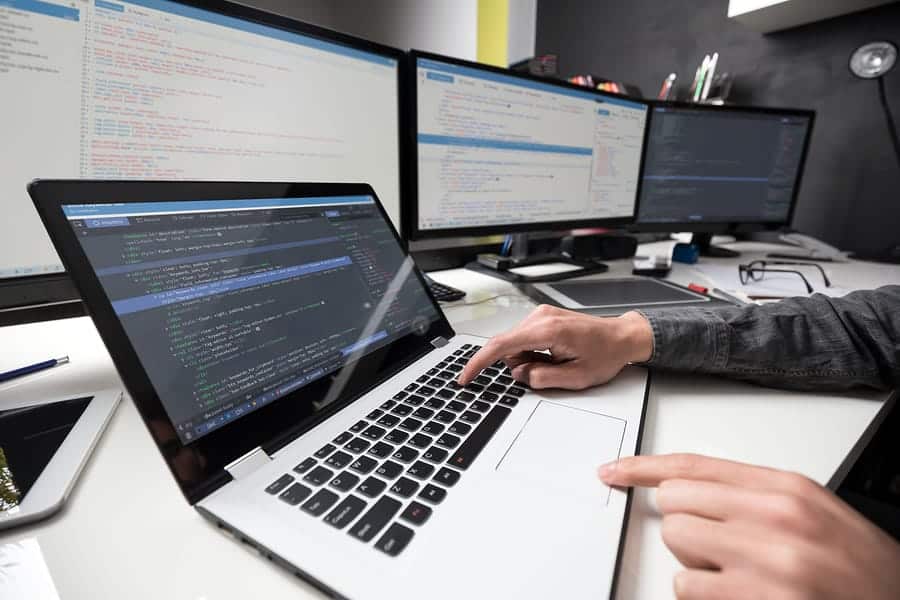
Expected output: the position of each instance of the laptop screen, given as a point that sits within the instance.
(232, 304)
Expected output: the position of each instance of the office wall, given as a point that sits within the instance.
(442, 26)
(850, 192)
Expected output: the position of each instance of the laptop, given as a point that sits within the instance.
(299, 380)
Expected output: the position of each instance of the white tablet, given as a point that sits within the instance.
(625, 292)
(44, 443)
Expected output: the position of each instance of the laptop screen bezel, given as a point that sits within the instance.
(199, 467)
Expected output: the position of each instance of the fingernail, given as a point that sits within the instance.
(607, 471)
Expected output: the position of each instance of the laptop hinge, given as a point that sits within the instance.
(248, 463)
(439, 342)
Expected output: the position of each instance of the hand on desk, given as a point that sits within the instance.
(752, 532)
(583, 350)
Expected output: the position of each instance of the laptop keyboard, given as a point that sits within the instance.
(385, 475)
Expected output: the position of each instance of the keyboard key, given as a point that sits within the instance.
(435, 403)
(516, 391)
(426, 391)
(364, 465)
(482, 380)
(470, 417)
(433, 428)
(402, 410)
(374, 414)
(462, 360)
(454, 368)
(318, 476)
(345, 512)
(480, 406)
(433, 494)
(371, 487)
(305, 466)
(396, 437)
(447, 477)
(416, 513)
(395, 539)
(432, 372)
(380, 450)
(344, 482)
(460, 428)
(405, 454)
(445, 416)
(435, 454)
(436, 383)
(415, 400)
(466, 396)
(422, 379)
(446, 393)
(339, 460)
(420, 441)
(295, 494)
(325, 451)
(410, 424)
(373, 432)
(388, 420)
(490, 372)
(359, 426)
(479, 438)
(375, 519)
(456, 406)
(465, 346)
(388, 405)
(475, 387)
(400, 395)
(343, 438)
(358, 445)
(420, 470)
(423, 413)
(509, 400)
(488, 396)
(411, 387)
(448, 441)
(283, 481)
(441, 364)
(505, 380)
(404, 487)
(496, 388)
(318, 504)
(389, 469)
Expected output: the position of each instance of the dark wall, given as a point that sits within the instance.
(851, 188)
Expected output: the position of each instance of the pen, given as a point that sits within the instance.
(710, 72)
(21, 371)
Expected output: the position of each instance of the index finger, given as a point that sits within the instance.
(519, 339)
(650, 471)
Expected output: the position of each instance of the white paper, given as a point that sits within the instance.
(23, 572)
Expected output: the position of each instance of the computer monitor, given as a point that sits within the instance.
(712, 169)
(155, 89)
(498, 151)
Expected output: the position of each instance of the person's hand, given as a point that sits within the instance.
(752, 532)
(583, 350)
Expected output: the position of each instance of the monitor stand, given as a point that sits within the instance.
(500, 266)
(703, 241)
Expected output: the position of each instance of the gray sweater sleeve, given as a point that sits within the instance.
(800, 343)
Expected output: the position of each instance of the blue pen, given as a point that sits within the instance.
(47, 364)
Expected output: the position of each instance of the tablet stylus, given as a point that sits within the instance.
(27, 370)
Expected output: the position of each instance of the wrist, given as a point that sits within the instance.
(637, 337)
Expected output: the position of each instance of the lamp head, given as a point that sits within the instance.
(873, 60)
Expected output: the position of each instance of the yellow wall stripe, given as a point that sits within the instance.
(493, 32)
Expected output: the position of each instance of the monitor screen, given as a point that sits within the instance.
(722, 165)
(233, 304)
(496, 150)
(153, 89)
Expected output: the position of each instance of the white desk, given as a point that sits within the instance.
(128, 533)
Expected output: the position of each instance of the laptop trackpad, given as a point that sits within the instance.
(560, 447)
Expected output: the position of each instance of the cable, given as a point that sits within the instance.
(454, 305)
(892, 126)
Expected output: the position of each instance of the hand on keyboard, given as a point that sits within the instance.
(583, 350)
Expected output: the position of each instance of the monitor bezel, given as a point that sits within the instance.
(412, 219)
(731, 226)
(199, 466)
(41, 289)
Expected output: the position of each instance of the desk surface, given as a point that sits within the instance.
(127, 532)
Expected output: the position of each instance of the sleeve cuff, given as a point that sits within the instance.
(688, 339)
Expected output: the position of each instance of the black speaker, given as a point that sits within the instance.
(599, 247)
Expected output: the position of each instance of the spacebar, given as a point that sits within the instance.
(468, 452)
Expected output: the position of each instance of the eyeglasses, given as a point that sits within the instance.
(757, 269)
